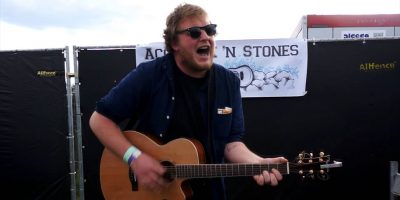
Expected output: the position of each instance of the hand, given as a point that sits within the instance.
(149, 172)
(270, 178)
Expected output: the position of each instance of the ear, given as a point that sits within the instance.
(175, 45)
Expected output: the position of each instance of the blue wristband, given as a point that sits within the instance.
(131, 154)
(132, 158)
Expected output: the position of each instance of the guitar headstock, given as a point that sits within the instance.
(309, 165)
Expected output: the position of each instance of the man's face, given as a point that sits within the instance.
(193, 53)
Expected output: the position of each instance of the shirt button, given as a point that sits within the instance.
(167, 116)
(173, 98)
(161, 134)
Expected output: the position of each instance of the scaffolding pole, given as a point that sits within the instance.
(78, 124)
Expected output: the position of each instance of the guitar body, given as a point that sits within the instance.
(114, 173)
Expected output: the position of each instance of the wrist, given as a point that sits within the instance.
(131, 154)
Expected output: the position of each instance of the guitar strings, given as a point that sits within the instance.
(226, 170)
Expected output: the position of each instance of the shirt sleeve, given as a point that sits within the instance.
(125, 99)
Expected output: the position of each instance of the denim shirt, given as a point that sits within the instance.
(148, 92)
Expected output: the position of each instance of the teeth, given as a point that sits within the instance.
(203, 50)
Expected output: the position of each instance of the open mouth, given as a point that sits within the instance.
(203, 50)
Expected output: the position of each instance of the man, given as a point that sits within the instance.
(183, 94)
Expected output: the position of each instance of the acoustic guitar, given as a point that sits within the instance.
(183, 160)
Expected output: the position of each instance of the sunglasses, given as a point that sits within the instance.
(195, 31)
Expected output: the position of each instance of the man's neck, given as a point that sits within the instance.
(190, 71)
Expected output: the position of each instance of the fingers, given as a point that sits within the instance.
(155, 183)
(259, 179)
(266, 178)
(274, 176)
(149, 173)
(277, 174)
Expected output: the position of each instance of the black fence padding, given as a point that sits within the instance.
(33, 125)
(99, 71)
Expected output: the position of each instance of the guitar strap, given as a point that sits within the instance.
(131, 124)
(210, 104)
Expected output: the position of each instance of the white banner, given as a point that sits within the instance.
(266, 68)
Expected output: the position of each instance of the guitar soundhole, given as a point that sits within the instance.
(169, 174)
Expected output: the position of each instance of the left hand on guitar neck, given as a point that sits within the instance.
(274, 176)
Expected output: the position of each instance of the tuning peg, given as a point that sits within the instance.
(311, 176)
(311, 158)
(321, 156)
(323, 177)
(303, 175)
(300, 158)
(300, 161)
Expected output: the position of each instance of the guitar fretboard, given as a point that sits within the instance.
(222, 170)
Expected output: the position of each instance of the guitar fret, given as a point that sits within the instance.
(223, 170)
(237, 170)
(214, 166)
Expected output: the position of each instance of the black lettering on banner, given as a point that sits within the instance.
(150, 55)
(355, 35)
(276, 51)
(294, 50)
(270, 51)
(161, 51)
(257, 48)
(247, 51)
(230, 51)
(266, 51)
(285, 50)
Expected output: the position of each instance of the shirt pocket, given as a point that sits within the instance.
(223, 124)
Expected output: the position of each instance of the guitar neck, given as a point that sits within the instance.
(222, 170)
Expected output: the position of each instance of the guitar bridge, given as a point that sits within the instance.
(133, 180)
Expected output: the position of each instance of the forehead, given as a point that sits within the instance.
(193, 21)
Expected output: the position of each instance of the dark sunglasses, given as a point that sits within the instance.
(195, 31)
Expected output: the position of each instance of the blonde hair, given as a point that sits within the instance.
(180, 13)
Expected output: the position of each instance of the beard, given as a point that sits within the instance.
(197, 63)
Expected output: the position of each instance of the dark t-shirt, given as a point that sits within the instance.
(190, 120)
(190, 113)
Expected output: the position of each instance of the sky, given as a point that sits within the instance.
(45, 24)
